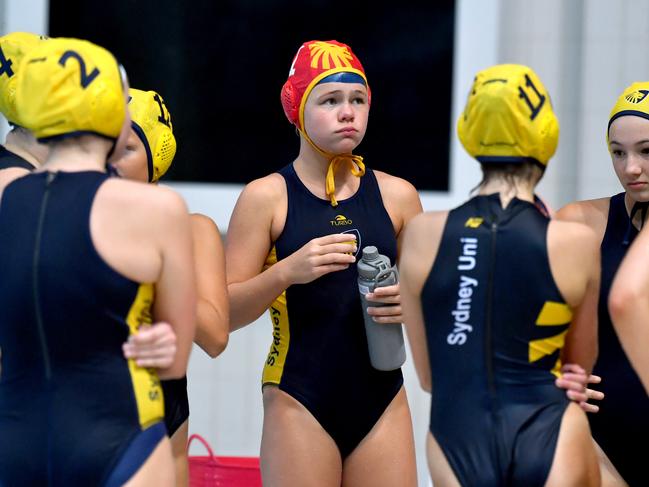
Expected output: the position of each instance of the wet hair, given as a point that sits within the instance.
(512, 173)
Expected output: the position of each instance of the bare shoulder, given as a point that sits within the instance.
(428, 222)
(424, 230)
(589, 212)
(575, 238)
(136, 197)
(572, 230)
(400, 198)
(260, 192)
(421, 239)
(204, 231)
(203, 224)
(394, 187)
(261, 207)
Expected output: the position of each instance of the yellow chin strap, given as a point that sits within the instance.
(356, 166)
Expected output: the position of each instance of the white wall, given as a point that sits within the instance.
(586, 52)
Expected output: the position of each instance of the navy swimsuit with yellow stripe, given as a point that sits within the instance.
(495, 324)
(73, 410)
(319, 351)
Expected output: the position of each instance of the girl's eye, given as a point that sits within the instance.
(131, 148)
(617, 153)
(329, 101)
(644, 150)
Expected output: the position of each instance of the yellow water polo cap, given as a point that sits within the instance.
(508, 117)
(13, 48)
(151, 121)
(633, 101)
(71, 87)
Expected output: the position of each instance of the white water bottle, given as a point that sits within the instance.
(384, 340)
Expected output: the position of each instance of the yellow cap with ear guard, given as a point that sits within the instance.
(633, 101)
(508, 117)
(71, 87)
(152, 123)
(13, 48)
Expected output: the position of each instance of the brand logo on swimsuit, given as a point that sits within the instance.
(340, 220)
(462, 312)
(637, 96)
(473, 222)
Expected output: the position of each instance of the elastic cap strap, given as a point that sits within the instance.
(356, 166)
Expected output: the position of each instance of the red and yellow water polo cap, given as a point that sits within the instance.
(315, 62)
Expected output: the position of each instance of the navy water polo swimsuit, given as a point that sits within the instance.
(495, 325)
(624, 413)
(319, 353)
(73, 410)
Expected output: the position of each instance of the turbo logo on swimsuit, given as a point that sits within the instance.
(340, 220)
(462, 312)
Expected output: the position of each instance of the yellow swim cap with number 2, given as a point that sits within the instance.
(71, 87)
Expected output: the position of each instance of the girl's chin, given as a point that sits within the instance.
(344, 147)
(640, 195)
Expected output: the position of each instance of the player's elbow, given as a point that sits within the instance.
(620, 300)
(217, 344)
(425, 382)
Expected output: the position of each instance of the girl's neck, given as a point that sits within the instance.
(311, 167)
(310, 163)
(23, 144)
(508, 191)
(87, 153)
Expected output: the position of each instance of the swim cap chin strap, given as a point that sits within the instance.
(356, 166)
(641, 206)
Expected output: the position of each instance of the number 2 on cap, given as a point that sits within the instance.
(86, 78)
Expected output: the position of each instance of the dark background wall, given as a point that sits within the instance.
(220, 65)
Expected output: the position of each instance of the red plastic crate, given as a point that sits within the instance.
(218, 471)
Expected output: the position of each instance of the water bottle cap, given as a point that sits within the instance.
(370, 253)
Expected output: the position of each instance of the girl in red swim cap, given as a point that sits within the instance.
(329, 417)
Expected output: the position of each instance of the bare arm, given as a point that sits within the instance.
(155, 346)
(629, 305)
(574, 378)
(212, 307)
(420, 242)
(573, 251)
(143, 232)
(402, 203)
(175, 298)
(581, 340)
(247, 246)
